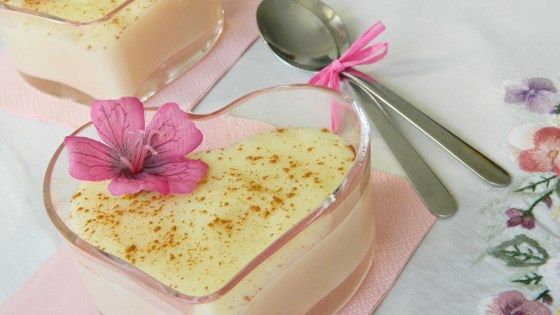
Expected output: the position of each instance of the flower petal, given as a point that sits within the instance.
(515, 94)
(522, 138)
(505, 302)
(540, 84)
(126, 184)
(547, 134)
(514, 212)
(181, 175)
(534, 161)
(178, 177)
(548, 202)
(515, 221)
(114, 119)
(172, 134)
(528, 222)
(89, 159)
(533, 308)
(543, 101)
(514, 302)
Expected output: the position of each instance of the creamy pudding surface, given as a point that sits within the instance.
(254, 191)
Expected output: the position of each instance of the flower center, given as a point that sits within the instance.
(553, 154)
(148, 140)
(151, 149)
(532, 92)
(128, 164)
(139, 151)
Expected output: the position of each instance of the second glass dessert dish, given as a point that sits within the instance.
(281, 223)
(113, 48)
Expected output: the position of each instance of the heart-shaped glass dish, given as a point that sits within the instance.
(110, 49)
(297, 273)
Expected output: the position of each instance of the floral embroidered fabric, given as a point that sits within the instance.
(527, 241)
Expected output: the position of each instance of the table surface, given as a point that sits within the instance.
(449, 58)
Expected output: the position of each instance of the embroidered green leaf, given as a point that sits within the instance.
(529, 279)
(521, 251)
(557, 188)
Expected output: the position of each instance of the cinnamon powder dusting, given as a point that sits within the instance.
(253, 192)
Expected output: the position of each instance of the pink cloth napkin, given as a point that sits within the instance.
(402, 222)
(240, 30)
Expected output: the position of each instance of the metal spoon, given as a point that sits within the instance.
(431, 190)
(434, 194)
(308, 34)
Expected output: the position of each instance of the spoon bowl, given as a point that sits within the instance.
(307, 34)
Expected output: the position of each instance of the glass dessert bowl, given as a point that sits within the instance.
(313, 267)
(110, 48)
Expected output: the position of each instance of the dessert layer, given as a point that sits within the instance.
(254, 191)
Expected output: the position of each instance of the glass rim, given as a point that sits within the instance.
(56, 19)
(348, 183)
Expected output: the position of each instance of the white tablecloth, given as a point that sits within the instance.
(447, 57)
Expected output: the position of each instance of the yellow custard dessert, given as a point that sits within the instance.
(108, 48)
(253, 192)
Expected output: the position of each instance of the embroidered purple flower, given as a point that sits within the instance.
(538, 95)
(547, 299)
(135, 157)
(514, 303)
(548, 202)
(518, 217)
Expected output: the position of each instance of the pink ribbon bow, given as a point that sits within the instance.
(358, 54)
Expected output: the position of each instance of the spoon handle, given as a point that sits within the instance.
(431, 190)
(469, 156)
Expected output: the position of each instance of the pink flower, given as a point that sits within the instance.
(514, 303)
(518, 217)
(544, 156)
(135, 157)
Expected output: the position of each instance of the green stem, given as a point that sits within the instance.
(541, 198)
(542, 295)
(534, 185)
